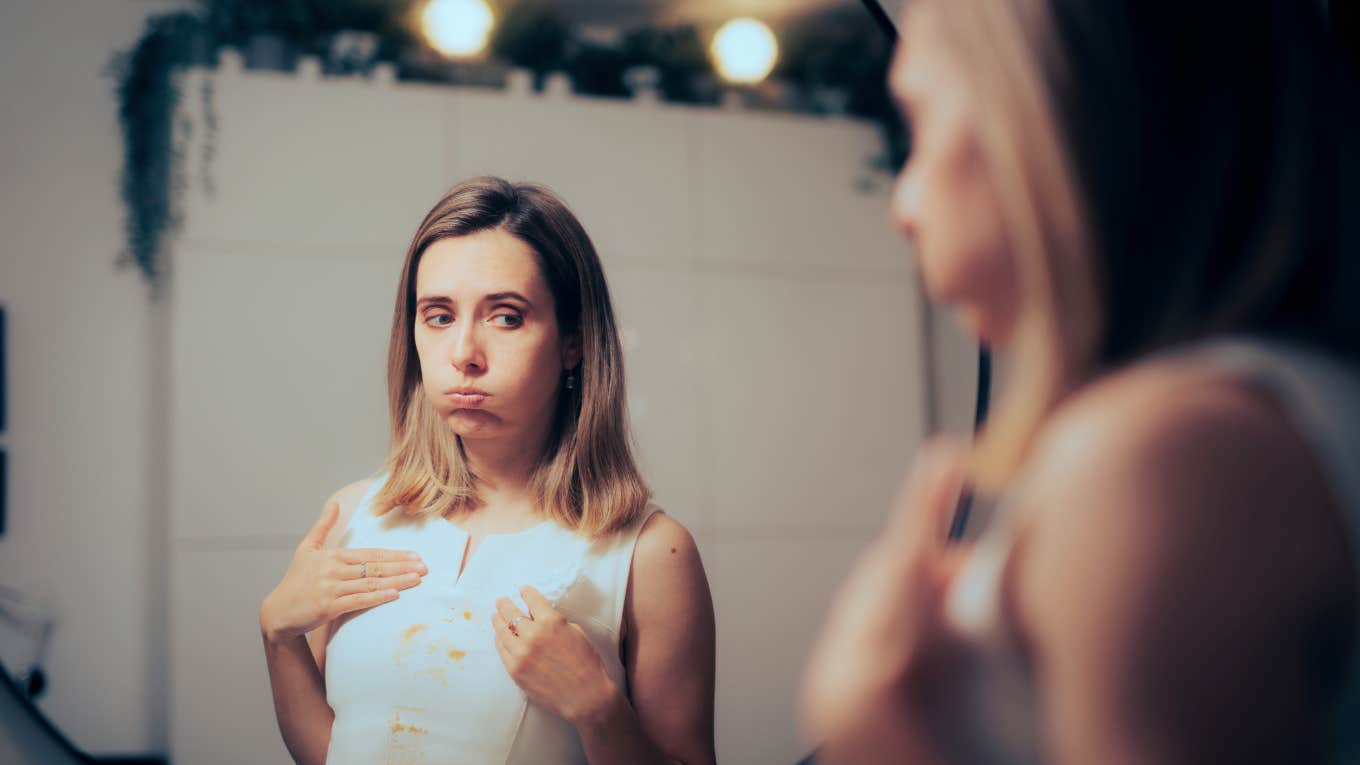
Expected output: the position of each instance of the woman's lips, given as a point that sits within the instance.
(467, 400)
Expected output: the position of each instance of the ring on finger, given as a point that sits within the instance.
(513, 623)
(363, 569)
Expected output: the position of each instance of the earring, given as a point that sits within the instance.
(571, 380)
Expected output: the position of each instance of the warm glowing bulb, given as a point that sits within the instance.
(457, 27)
(744, 50)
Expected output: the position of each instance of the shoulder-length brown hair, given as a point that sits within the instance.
(587, 478)
(1168, 171)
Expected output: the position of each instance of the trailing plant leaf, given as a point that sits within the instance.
(147, 98)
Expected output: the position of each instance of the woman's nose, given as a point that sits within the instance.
(466, 351)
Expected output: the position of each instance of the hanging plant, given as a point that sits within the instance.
(148, 94)
(834, 59)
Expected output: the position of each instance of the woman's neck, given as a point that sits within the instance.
(504, 470)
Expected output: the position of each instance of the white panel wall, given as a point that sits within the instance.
(85, 507)
(769, 323)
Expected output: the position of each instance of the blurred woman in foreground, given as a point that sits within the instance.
(1149, 206)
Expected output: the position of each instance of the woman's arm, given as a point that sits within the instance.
(296, 666)
(318, 587)
(669, 654)
(299, 698)
(666, 713)
(1181, 553)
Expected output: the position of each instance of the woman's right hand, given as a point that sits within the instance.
(322, 583)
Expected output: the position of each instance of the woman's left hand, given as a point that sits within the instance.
(551, 659)
(880, 641)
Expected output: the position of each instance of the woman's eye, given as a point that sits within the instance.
(507, 319)
(439, 320)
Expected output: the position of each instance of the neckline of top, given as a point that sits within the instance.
(522, 532)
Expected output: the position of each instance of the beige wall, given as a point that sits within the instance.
(84, 398)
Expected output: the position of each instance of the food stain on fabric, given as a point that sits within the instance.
(407, 636)
(456, 654)
(396, 726)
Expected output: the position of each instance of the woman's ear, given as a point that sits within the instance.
(571, 351)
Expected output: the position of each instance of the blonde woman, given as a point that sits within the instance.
(504, 592)
(1149, 206)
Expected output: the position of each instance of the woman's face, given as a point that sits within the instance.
(944, 200)
(491, 358)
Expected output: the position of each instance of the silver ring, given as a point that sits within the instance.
(513, 622)
(363, 569)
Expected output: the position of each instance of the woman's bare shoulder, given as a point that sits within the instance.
(663, 539)
(1179, 469)
(1171, 415)
(347, 497)
(667, 573)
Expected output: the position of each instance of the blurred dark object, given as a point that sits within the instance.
(29, 738)
(270, 51)
(4, 491)
(531, 34)
(351, 51)
(4, 375)
(1345, 19)
(679, 58)
(147, 99)
(597, 70)
(33, 683)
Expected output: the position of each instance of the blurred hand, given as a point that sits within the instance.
(550, 658)
(321, 584)
(885, 622)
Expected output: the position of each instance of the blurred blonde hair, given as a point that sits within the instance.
(1167, 171)
(1037, 191)
(587, 478)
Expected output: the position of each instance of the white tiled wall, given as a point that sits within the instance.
(768, 314)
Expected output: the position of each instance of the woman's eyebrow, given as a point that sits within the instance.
(509, 295)
(433, 300)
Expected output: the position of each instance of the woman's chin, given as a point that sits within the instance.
(978, 325)
(472, 423)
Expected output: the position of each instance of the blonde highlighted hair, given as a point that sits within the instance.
(1167, 171)
(587, 478)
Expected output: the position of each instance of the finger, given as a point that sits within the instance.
(506, 651)
(508, 610)
(539, 606)
(369, 569)
(316, 537)
(375, 583)
(504, 629)
(371, 554)
(363, 600)
(929, 492)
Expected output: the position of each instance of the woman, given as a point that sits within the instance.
(503, 592)
(1149, 205)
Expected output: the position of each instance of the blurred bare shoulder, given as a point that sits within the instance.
(1176, 445)
(1170, 508)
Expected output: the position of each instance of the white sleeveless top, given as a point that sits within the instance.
(996, 719)
(418, 679)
